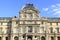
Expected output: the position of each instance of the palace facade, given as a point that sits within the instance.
(29, 26)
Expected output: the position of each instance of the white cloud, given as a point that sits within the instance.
(53, 9)
(58, 5)
(45, 9)
(57, 13)
(53, 6)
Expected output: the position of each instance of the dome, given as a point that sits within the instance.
(30, 7)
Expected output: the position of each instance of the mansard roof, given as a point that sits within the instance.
(53, 19)
(47, 19)
(30, 7)
(5, 18)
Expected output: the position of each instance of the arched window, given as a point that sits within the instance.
(15, 38)
(7, 38)
(0, 38)
(58, 38)
(29, 38)
(42, 38)
(52, 38)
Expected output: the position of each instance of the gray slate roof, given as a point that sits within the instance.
(30, 7)
(7, 18)
(53, 19)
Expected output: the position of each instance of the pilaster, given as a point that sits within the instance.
(26, 29)
(33, 29)
(3, 38)
(26, 37)
(19, 37)
(33, 37)
(12, 38)
(56, 38)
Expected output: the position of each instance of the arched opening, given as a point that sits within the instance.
(0, 38)
(15, 38)
(42, 38)
(52, 38)
(7, 38)
(58, 38)
(29, 37)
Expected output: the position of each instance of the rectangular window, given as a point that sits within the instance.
(50, 23)
(35, 17)
(0, 30)
(57, 30)
(24, 29)
(35, 29)
(8, 30)
(41, 22)
(57, 23)
(51, 30)
(16, 30)
(16, 22)
(41, 29)
(29, 28)
(1, 23)
(23, 16)
(30, 16)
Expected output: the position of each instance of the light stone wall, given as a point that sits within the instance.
(17, 24)
(46, 26)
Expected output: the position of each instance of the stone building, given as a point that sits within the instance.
(29, 26)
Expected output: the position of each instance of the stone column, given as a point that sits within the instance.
(38, 29)
(33, 37)
(49, 38)
(26, 37)
(19, 37)
(56, 38)
(40, 38)
(26, 29)
(12, 38)
(37, 37)
(3, 38)
(33, 29)
(21, 29)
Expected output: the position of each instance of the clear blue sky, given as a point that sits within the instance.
(48, 8)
